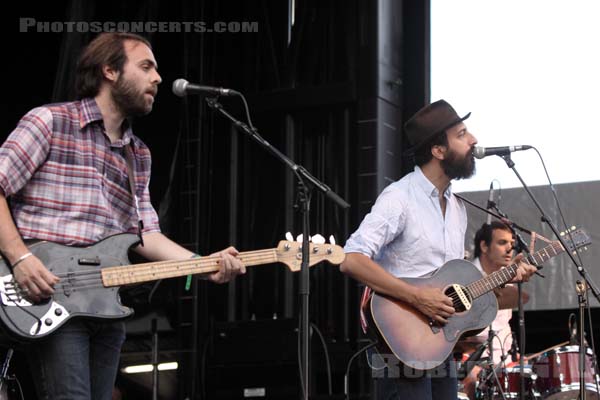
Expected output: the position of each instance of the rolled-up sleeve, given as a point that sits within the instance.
(25, 149)
(379, 227)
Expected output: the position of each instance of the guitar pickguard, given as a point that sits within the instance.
(55, 315)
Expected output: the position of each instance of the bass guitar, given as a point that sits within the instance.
(90, 278)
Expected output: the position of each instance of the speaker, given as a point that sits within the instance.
(253, 359)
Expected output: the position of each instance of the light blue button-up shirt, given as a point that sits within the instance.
(406, 233)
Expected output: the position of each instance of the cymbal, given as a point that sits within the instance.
(508, 297)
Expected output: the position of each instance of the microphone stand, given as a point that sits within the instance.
(307, 182)
(580, 268)
(580, 288)
(520, 246)
(154, 359)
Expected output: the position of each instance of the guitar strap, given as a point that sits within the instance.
(129, 157)
(534, 236)
(364, 303)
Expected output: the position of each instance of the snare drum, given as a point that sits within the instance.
(558, 374)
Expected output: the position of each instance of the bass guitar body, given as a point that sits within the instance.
(80, 292)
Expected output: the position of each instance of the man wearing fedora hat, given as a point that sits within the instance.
(414, 227)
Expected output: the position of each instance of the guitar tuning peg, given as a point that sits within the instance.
(318, 239)
(331, 239)
(300, 237)
(585, 248)
(573, 228)
(562, 234)
(289, 237)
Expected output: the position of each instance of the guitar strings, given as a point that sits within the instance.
(138, 268)
(88, 279)
(257, 256)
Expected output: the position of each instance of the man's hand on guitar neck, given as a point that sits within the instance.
(34, 279)
(524, 270)
(433, 303)
(230, 266)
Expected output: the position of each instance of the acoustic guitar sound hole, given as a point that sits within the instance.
(461, 298)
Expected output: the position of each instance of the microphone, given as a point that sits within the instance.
(490, 203)
(181, 88)
(480, 152)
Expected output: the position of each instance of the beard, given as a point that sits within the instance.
(129, 99)
(457, 167)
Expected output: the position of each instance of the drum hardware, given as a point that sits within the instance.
(473, 360)
(9, 392)
(503, 382)
(4, 376)
(493, 382)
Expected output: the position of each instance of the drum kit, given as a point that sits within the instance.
(551, 374)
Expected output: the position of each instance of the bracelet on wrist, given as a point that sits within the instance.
(21, 259)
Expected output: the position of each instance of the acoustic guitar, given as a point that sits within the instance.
(421, 344)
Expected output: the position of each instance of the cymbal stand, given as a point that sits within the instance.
(493, 374)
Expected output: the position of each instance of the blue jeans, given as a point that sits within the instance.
(78, 362)
(395, 382)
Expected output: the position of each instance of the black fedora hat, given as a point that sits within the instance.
(430, 121)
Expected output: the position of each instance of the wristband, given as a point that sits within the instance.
(188, 281)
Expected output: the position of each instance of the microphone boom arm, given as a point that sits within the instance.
(299, 170)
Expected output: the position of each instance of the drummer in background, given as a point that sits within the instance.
(493, 250)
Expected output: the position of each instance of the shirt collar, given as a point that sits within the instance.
(477, 263)
(428, 187)
(90, 112)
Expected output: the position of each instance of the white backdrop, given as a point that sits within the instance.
(529, 71)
